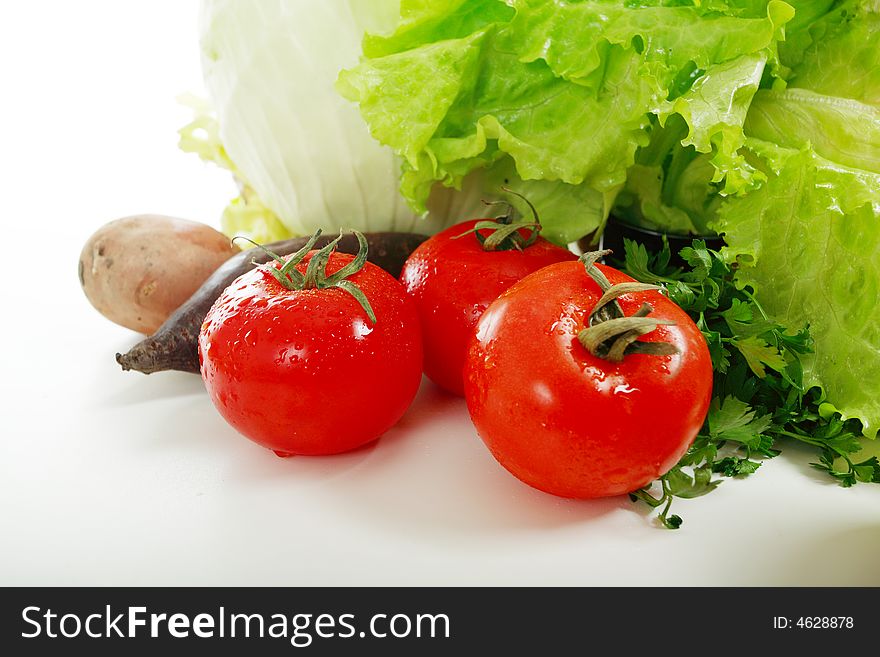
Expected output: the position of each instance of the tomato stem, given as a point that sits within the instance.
(609, 333)
(290, 278)
(504, 232)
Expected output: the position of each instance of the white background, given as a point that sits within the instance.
(117, 478)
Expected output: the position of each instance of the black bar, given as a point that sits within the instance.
(519, 620)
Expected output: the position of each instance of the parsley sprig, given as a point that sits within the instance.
(759, 398)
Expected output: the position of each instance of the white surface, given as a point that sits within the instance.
(116, 478)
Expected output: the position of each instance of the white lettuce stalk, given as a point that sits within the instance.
(302, 154)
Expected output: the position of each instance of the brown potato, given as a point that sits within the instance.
(137, 270)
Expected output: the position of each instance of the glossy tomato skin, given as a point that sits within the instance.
(565, 421)
(306, 372)
(453, 281)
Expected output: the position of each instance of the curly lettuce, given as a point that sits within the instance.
(808, 242)
(759, 119)
(562, 92)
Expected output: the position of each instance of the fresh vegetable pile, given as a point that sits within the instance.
(756, 120)
(759, 120)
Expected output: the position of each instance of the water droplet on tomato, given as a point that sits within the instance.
(624, 389)
(361, 329)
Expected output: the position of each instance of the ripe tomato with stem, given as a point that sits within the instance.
(455, 275)
(584, 383)
(318, 353)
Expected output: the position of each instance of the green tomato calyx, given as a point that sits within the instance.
(290, 278)
(505, 232)
(609, 333)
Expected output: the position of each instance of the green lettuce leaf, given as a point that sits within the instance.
(714, 109)
(838, 54)
(808, 242)
(677, 199)
(562, 91)
(670, 187)
(841, 130)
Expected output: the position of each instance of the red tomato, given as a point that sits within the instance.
(453, 281)
(306, 371)
(568, 422)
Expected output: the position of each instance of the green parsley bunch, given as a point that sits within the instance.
(759, 400)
